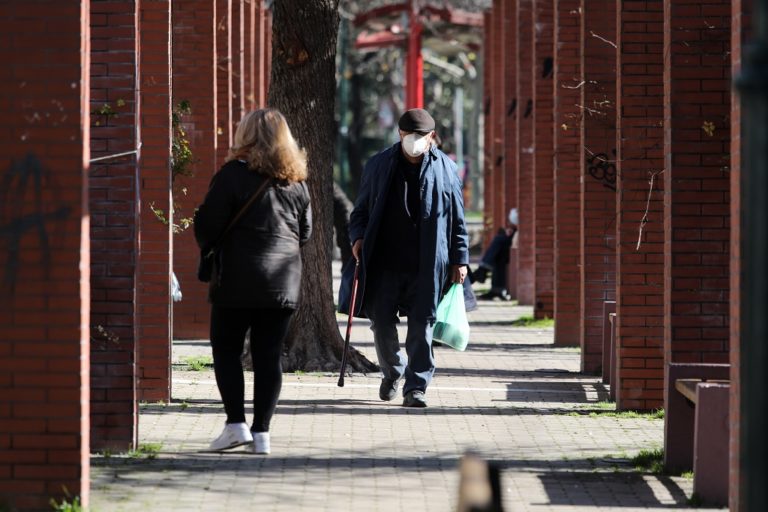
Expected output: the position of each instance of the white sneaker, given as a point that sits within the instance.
(260, 443)
(233, 435)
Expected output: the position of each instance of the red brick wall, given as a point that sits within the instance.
(598, 175)
(543, 99)
(44, 253)
(193, 80)
(113, 203)
(525, 146)
(155, 242)
(696, 182)
(640, 270)
(567, 152)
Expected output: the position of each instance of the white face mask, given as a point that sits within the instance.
(415, 144)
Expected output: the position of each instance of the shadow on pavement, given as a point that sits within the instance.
(586, 482)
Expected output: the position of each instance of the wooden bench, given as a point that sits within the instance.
(697, 430)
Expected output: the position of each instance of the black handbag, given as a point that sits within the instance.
(208, 255)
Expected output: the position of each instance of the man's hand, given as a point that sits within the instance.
(357, 248)
(458, 273)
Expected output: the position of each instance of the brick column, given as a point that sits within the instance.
(542, 69)
(506, 172)
(44, 253)
(510, 127)
(739, 32)
(238, 62)
(114, 206)
(495, 177)
(155, 247)
(697, 150)
(224, 87)
(640, 263)
(487, 126)
(567, 172)
(249, 39)
(262, 53)
(193, 80)
(525, 149)
(598, 175)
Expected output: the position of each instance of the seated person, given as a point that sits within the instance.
(495, 260)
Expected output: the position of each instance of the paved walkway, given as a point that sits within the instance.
(512, 397)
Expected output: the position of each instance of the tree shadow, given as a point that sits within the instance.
(589, 482)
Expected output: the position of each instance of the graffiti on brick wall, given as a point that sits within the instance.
(24, 213)
(602, 168)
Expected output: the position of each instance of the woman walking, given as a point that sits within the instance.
(257, 266)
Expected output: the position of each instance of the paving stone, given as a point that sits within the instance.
(512, 397)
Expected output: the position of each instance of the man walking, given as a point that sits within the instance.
(408, 233)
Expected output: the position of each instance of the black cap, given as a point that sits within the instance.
(416, 120)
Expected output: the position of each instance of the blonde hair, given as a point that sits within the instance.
(264, 140)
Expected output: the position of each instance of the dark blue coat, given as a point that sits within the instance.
(443, 232)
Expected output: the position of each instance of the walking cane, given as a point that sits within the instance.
(349, 324)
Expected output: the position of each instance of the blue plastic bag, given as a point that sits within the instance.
(451, 325)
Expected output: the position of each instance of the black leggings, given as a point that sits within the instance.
(268, 328)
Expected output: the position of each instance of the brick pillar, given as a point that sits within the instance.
(510, 127)
(495, 172)
(567, 173)
(114, 210)
(697, 150)
(249, 39)
(488, 27)
(155, 246)
(44, 253)
(193, 80)
(262, 54)
(598, 175)
(238, 61)
(640, 263)
(224, 90)
(543, 97)
(739, 33)
(525, 148)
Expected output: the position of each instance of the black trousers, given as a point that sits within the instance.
(268, 329)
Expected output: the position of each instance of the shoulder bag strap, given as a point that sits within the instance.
(242, 211)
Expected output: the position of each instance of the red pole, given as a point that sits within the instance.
(414, 76)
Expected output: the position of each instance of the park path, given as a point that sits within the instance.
(512, 397)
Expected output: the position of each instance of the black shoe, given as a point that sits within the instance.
(493, 294)
(415, 398)
(479, 275)
(387, 389)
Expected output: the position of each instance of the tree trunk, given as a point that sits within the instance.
(303, 87)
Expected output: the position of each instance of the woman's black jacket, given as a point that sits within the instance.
(258, 263)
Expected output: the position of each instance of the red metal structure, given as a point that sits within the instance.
(382, 28)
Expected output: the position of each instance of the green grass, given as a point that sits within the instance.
(529, 321)
(198, 363)
(146, 451)
(651, 461)
(67, 504)
(608, 410)
(688, 475)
